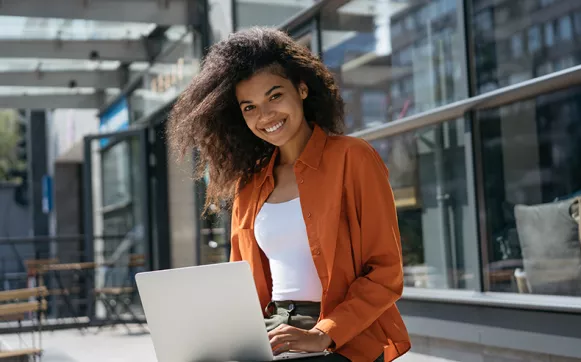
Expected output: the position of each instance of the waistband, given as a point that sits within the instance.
(289, 304)
(309, 308)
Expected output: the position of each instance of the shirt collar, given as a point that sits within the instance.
(311, 155)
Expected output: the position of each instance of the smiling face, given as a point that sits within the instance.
(272, 106)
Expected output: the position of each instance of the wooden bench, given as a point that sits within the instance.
(136, 260)
(19, 294)
(36, 266)
(14, 306)
(21, 353)
(115, 290)
(18, 308)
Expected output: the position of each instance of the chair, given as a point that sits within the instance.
(550, 240)
(118, 287)
(15, 305)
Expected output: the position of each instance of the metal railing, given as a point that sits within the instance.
(85, 287)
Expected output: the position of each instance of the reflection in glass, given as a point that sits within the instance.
(124, 245)
(532, 174)
(267, 12)
(503, 56)
(436, 217)
(116, 176)
(393, 59)
(214, 245)
(167, 78)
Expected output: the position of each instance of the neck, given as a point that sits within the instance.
(290, 151)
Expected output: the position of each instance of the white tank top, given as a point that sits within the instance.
(281, 233)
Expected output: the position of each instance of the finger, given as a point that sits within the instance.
(282, 329)
(281, 339)
(285, 347)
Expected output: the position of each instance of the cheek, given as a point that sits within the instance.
(296, 110)
(251, 124)
(292, 107)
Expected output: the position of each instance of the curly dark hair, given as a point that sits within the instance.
(207, 117)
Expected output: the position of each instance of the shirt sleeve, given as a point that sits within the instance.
(381, 282)
(234, 245)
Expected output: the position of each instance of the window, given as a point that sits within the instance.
(411, 68)
(516, 45)
(519, 42)
(565, 28)
(577, 19)
(549, 34)
(375, 106)
(214, 245)
(164, 80)
(534, 39)
(409, 22)
(532, 174)
(483, 21)
(436, 217)
(396, 28)
(116, 175)
(263, 13)
(545, 68)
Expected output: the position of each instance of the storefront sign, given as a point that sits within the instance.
(116, 118)
(46, 194)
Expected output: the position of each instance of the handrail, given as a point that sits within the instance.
(503, 96)
(553, 303)
(58, 238)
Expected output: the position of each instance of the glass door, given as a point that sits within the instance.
(117, 214)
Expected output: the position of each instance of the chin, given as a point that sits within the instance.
(277, 141)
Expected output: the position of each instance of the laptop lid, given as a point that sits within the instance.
(204, 313)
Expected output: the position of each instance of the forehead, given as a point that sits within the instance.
(258, 84)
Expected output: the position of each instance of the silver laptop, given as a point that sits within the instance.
(207, 313)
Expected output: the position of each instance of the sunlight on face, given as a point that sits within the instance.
(272, 106)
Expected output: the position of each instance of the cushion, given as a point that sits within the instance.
(551, 251)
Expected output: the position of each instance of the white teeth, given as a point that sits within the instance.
(275, 127)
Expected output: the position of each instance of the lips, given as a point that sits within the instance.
(275, 127)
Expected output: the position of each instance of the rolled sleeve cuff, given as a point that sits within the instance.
(329, 327)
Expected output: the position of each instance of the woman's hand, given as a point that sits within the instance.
(285, 338)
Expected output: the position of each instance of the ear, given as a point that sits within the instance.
(303, 90)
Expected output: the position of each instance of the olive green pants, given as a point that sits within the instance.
(303, 315)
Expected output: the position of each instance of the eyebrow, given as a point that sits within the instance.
(272, 89)
(265, 94)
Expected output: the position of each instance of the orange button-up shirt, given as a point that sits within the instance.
(351, 223)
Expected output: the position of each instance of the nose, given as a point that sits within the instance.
(268, 115)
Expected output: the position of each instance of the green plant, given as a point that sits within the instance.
(10, 163)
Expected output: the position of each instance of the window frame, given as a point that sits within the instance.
(466, 108)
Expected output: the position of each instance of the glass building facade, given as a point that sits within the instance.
(474, 106)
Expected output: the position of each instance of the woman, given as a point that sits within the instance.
(312, 211)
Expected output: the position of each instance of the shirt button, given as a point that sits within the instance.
(302, 181)
(316, 251)
(309, 215)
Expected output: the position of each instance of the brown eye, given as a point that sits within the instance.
(275, 96)
(249, 108)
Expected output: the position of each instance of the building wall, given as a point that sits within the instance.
(67, 127)
(182, 212)
(65, 131)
